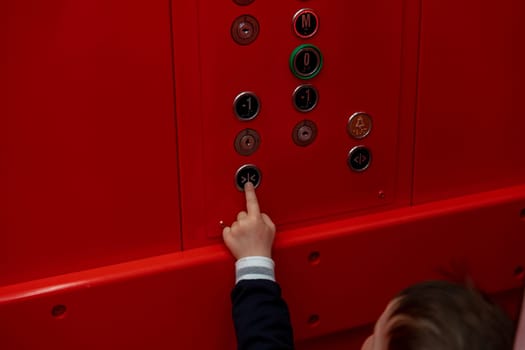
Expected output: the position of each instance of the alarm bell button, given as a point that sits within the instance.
(359, 125)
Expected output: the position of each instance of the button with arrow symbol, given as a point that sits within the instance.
(248, 172)
(359, 158)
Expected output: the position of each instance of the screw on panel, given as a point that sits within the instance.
(314, 320)
(314, 258)
(58, 311)
(519, 273)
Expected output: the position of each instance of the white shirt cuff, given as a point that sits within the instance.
(254, 268)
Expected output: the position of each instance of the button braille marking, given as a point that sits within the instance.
(245, 173)
(245, 29)
(359, 158)
(305, 98)
(359, 125)
(305, 23)
(306, 61)
(246, 106)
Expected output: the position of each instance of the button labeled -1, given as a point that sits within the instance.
(305, 98)
(246, 106)
(248, 172)
(359, 158)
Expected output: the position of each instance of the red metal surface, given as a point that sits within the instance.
(469, 134)
(362, 47)
(92, 216)
(182, 299)
(89, 165)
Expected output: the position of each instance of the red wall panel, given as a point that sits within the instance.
(471, 116)
(89, 165)
(362, 47)
(92, 217)
(181, 300)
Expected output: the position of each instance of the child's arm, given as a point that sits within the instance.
(260, 315)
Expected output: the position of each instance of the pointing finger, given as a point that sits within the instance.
(252, 205)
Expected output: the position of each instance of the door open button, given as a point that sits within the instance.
(359, 158)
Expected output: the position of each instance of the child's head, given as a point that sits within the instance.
(439, 315)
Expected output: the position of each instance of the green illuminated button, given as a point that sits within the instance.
(306, 61)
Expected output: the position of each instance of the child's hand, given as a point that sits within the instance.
(253, 233)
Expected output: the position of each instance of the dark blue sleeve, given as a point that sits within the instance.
(261, 317)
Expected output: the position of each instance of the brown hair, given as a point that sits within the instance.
(439, 315)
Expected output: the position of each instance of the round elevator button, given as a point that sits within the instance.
(245, 29)
(306, 61)
(359, 125)
(247, 142)
(246, 106)
(304, 133)
(305, 98)
(305, 23)
(245, 173)
(359, 158)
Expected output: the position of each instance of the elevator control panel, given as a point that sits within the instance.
(371, 164)
(306, 95)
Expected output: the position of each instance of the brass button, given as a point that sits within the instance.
(359, 125)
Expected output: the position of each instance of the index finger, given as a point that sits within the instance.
(252, 205)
